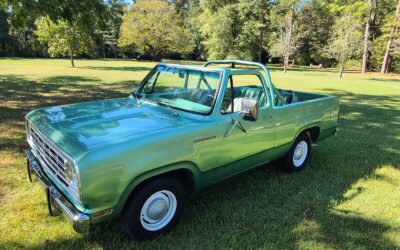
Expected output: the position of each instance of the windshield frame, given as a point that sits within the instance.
(139, 89)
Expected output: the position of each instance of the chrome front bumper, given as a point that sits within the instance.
(56, 202)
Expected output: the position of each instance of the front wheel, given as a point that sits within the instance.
(297, 157)
(154, 209)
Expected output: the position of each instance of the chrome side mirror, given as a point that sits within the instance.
(248, 107)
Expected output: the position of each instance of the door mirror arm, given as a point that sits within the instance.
(236, 122)
(247, 110)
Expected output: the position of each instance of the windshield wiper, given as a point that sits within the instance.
(137, 97)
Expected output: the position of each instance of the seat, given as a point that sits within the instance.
(202, 96)
(250, 92)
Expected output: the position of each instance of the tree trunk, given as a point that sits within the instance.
(290, 36)
(366, 38)
(72, 60)
(384, 68)
(365, 54)
(157, 57)
(341, 70)
(261, 47)
(285, 63)
(389, 64)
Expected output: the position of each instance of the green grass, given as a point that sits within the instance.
(347, 198)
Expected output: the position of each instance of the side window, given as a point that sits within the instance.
(226, 106)
(243, 86)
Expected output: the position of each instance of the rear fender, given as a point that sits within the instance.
(305, 128)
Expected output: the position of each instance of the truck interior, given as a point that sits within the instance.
(281, 97)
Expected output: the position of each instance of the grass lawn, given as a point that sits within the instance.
(347, 198)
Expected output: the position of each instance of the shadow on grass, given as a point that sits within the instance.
(117, 68)
(19, 96)
(385, 80)
(265, 207)
(70, 80)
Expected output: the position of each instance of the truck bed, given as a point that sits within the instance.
(291, 97)
(305, 109)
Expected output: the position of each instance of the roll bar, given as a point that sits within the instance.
(271, 86)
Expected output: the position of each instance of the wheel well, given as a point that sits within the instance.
(313, 132)
(184, 176)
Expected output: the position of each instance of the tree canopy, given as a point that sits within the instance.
(277, 31)
(151, 27)
(345, 43)
(64, 39)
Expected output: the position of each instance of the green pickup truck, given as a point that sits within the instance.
(183, 129)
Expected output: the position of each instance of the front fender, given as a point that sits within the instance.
(157, 172)
(137, 180)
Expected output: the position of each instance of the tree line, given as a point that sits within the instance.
(319, 33)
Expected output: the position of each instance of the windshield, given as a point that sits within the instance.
(185, 89)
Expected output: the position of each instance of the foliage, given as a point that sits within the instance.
(346, 40)
(189, 12)
(18, 41)
(5, 38)
(284, 42)
(151, 27)
(205, 29)
(64, 39)
(110, 32)
(314, 22)
(82, 13)
(24, 42)
(233, 30)
(381, 32)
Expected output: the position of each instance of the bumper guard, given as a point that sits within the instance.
(56, 202)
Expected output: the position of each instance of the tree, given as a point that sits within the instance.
(64, 39)
(152, 27)
(314, 22)
(233, 29)
(5, 38)
(345, 42)
(81, 13)
(18, 41)
(387, 57)
(188, 12)
(83, 17)
(285, 43)
(370, 20)
(110, 32)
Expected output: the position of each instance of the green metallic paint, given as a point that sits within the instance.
(117, 144)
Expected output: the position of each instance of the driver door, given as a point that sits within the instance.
(243, 149)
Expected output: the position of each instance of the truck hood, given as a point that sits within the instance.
(79, 127)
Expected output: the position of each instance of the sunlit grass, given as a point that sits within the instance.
(348, 197)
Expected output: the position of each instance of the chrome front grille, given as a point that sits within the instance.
(52, 159)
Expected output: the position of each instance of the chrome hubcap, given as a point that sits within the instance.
(158, 210)
(300, 153)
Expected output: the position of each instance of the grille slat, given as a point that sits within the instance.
(53, 160)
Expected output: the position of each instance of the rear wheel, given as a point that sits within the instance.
(154, 209)
(297, 157)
